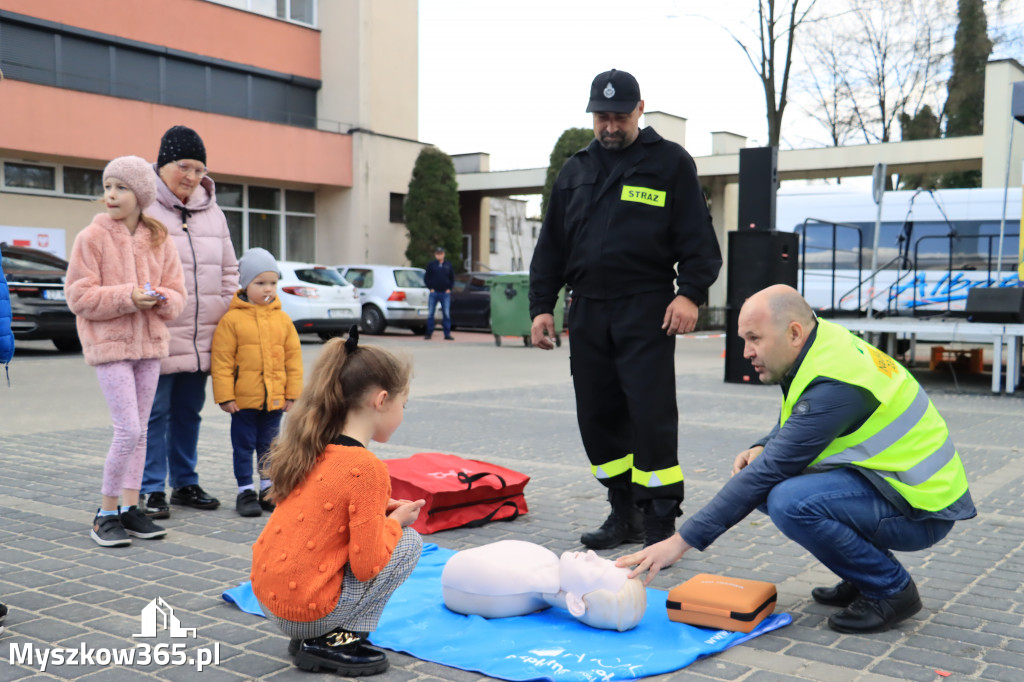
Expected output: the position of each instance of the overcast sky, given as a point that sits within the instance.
(508, 76)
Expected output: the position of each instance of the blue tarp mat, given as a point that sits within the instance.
(549, 645)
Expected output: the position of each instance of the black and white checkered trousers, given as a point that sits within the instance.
(361, 603)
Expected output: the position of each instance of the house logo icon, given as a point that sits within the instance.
(167, 620)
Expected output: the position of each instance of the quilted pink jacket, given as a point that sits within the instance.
(107, 262)
(210, 267)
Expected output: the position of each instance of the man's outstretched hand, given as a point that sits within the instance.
(654, 558)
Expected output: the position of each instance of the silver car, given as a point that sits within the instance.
(390, 295)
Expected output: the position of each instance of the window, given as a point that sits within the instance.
(493, 236)
(256, 217)
(38, 51)
(299, 11)
(409, 278)
(83, 181)
(361, 278)
(326, 276)
(300, 238)
(26, 176)
(397, 208)
(51, 179)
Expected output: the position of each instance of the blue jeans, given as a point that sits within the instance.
(252, 431)
(841, 519)
(446, 319)
(174, 431)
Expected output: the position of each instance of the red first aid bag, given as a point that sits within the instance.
(459, 492)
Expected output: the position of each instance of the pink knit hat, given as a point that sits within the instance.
(137, 173)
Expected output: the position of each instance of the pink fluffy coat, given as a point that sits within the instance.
(107, 263)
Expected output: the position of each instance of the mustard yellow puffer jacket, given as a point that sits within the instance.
(256, 356)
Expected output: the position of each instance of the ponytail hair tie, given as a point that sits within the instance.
(352, 342)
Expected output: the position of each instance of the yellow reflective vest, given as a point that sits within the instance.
(905, 440)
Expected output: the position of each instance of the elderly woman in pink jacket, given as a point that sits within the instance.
(186, 203)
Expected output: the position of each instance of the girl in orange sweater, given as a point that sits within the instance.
(337, 546)
(124, 283)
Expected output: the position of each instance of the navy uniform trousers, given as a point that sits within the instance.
(623, 370)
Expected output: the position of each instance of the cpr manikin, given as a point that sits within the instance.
(515, 578)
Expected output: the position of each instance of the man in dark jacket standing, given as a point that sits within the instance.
(625, 213)
(439, 278)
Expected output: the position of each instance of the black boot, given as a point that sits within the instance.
(346, 653)
(660, 519)
(877, 615)
(623, 525)
(841, 594)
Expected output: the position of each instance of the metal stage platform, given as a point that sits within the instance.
(951, 330)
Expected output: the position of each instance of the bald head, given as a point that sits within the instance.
(783, 304)
(775, 324)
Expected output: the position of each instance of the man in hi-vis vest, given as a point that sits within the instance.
(859, 464)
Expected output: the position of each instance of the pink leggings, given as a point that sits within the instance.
(129, 387)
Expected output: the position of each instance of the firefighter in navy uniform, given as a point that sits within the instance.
(624, 213)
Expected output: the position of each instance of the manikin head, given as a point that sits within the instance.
(599, 593)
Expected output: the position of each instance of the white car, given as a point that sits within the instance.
(317, 299)
(389, 295)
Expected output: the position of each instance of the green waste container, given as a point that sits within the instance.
(510, 308)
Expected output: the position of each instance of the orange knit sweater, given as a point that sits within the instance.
(336, 515)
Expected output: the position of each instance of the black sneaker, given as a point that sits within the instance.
(248, 504)
(194, 496)
(137, 524)
(155, 506)
(265, 501)
(107, 531)
(343, 652)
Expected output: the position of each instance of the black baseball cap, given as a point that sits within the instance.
(615, 91)
(439, 249)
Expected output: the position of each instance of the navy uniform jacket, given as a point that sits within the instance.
(619, 233)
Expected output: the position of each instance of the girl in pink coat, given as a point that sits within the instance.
(124, 282)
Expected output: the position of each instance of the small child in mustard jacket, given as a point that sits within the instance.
(256, 365)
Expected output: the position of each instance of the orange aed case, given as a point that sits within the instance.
(717, 601)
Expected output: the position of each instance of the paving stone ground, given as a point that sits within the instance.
(513, 406)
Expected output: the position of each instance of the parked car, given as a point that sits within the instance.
(38, 307)
(471, 300)
(390, 296)
(317, 299)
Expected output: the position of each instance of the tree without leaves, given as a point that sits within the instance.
(432, 208)
(897, 48)
(774, 27)
(569, 142)
(823, 85)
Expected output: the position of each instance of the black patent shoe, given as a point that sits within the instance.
(155, 506)
(342, 652)
(194, 496)
(866, 615)
(841, 594)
